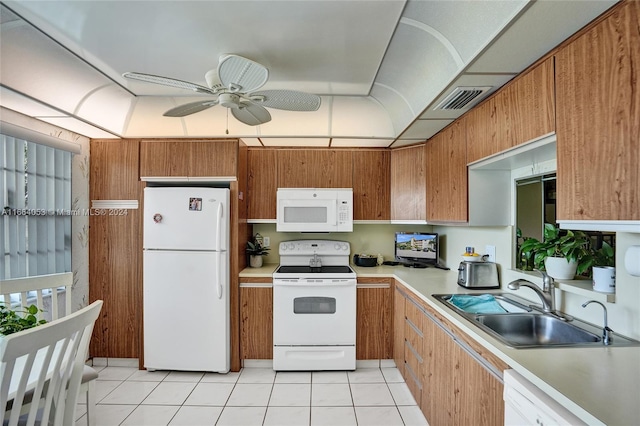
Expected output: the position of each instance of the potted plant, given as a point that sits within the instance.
(256, 250)
(13, 321)
(604, 271)
(561, 255)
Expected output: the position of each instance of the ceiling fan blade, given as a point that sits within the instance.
(251, 114)
(190, 108)
(290, 100)
(240, 74)
(166, 81)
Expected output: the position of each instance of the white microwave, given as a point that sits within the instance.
(314, 210)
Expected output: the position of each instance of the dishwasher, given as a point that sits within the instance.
(526, 404)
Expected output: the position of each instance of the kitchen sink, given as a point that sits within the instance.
(533, 329)
(508, 304)
(524, 325)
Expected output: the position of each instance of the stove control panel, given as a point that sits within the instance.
(319, 247)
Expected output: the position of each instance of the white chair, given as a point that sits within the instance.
(41, 369)
(52, 294)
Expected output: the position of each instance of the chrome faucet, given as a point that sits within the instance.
(606, 331)
(547, 294)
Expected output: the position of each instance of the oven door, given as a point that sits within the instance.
(314, 312)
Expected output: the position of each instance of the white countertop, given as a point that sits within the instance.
(600, 385)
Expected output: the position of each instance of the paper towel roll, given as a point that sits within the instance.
(632, 261)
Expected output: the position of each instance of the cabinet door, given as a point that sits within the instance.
(262, 183)
(115, 258)
(408, 192)
(598, 144)
(521, 111)
(530, 106)
(374, 319)
(256, 320)
(314, 168)
(113, 172)
(213, 158)
(164, 158)
(398, 328)
(447, 174)
(371, 185)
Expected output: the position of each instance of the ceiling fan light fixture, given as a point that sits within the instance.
(229, 100)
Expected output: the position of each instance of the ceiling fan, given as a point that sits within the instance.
(233, 84)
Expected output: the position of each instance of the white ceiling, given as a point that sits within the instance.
(380, 66)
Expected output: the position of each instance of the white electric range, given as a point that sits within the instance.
(314, 307)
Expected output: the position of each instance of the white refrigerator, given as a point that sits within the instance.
(186, 279)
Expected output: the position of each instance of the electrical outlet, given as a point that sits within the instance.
(491, 251)
(266, 241)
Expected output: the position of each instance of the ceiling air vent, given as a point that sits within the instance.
(462, 97)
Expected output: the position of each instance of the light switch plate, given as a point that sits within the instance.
(491, 251)
(266, 241)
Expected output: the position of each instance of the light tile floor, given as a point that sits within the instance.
(254, 396)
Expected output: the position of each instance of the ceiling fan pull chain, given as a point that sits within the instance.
(227, 131)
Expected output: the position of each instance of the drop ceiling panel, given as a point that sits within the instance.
(38, 67)
(77, 126)
(360, 143)
(351, 116)
(544, 25)
(294, 142)
(424, 129)
(25, 105)
(417, 66)
(298, 123)
(467, 25)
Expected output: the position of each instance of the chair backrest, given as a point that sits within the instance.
(45, 364)
(44, 291)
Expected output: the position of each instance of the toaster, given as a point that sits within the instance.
(480, 275)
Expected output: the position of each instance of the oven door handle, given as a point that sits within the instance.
(307, 284)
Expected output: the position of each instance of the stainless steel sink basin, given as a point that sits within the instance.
(535, 330)
(524, 325)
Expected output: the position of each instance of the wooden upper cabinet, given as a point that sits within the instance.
(213, 158)
(598, 135)
(371, 185)
(408, 192)
(114, 169)
(520, 112)
(447, 174)
(262, 183)
(314, 168)
(182, 158)
(164, 158)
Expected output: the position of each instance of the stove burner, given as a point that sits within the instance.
(314, 270)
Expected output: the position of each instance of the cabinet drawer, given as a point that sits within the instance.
(415, 315)
(413, 336)
(413, 360)
(412, 382)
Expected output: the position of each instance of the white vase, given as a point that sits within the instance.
(604, 279)
(255, 261)
(560, 268)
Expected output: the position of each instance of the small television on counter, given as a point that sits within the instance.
(419, 249)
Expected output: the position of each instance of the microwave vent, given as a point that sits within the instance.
(462, 97)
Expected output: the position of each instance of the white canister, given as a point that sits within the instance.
(604, 279)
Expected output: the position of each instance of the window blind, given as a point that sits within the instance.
(35, 235)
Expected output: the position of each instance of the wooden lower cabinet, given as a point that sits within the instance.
(374, 319)
(454, 380)
(256, 318)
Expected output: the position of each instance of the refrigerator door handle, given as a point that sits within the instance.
(218, 227)
(218, 277)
